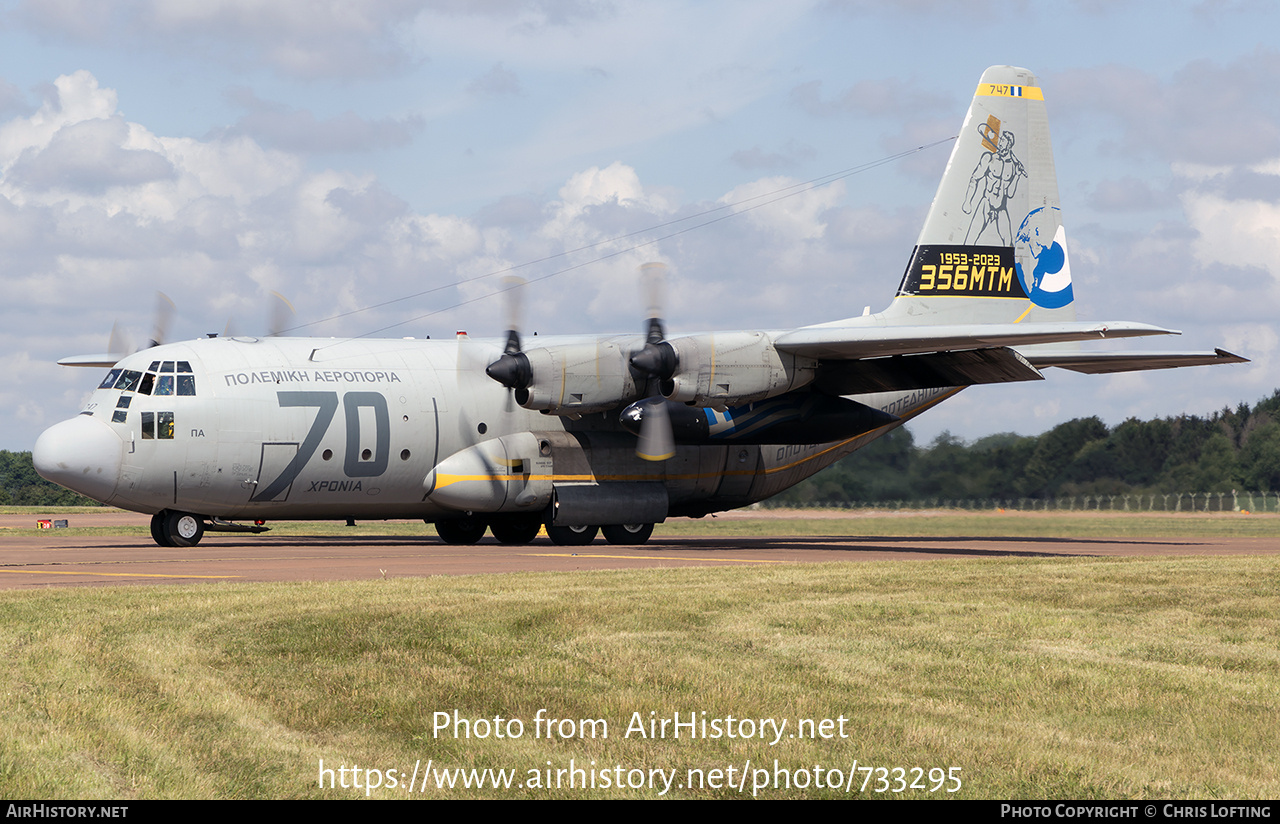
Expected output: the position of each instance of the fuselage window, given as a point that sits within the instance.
(154, 367)
(124, 401)
(164, 385)
(184, 366)
(148, 382)
(165, 429)
(148, 426)
(120, 416)
(110, 380)
(186, 384)
(167, 366)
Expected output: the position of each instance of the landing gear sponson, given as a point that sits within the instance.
(182, 529)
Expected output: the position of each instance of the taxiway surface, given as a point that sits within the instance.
(50, 558)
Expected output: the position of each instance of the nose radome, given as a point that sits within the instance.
(82, 454)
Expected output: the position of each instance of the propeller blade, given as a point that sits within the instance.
(656, 358)
(119, 345)
(653, 277)
(516, 369)
(656, 442)
(513, 290)
(512, 370)
(164, 317)
(282, 315)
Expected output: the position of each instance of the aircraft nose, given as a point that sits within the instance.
(82, 454)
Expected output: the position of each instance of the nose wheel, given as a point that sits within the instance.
(176, 529)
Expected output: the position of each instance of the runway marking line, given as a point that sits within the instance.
(647, 557)
(111, 574)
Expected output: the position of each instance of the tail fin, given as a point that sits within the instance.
(993, 249)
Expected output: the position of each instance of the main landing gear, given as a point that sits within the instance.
(461, 531)
(176, 529)
(572, 535)
(627, 534)
(522, 529)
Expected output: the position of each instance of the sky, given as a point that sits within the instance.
(381, 162)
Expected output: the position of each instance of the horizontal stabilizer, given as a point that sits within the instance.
(905, 372)
(1101, 363)
(839, 342)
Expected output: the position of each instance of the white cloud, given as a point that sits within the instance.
(298, 130)
(1235, 232)
(498, 81)
(302, 38)
(74, 98)
(799, 216)
(88, 157)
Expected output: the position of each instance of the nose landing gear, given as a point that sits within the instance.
(176, 529)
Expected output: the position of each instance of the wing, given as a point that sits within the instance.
(855, 358)
(104, 361)
(850, 340)
(1101, 363)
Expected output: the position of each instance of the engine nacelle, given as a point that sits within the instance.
(571, 480)
(579, 378)
(508, 474)
(723, 369)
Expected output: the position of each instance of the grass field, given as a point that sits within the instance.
(1043, 678)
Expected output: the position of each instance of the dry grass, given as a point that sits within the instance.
(1071, 678)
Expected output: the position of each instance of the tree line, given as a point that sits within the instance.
(21, 486)
(1233, 449)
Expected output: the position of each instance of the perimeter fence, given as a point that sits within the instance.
(1233, 501)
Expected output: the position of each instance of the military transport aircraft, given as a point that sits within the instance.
(612, 433)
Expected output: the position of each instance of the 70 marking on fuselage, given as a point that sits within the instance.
(356, 463)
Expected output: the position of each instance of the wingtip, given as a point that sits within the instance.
(1229, 357)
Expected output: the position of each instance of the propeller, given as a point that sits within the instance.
(118, 345)
(512, 369)
(656, 441)
(121, 343)
(280, 318)
(282, 315)
(164, 318)
(658, 360)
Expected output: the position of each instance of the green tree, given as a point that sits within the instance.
(1260, 458)
(1056, 451)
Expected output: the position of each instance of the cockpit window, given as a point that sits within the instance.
(177, 378)
(128, 380)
